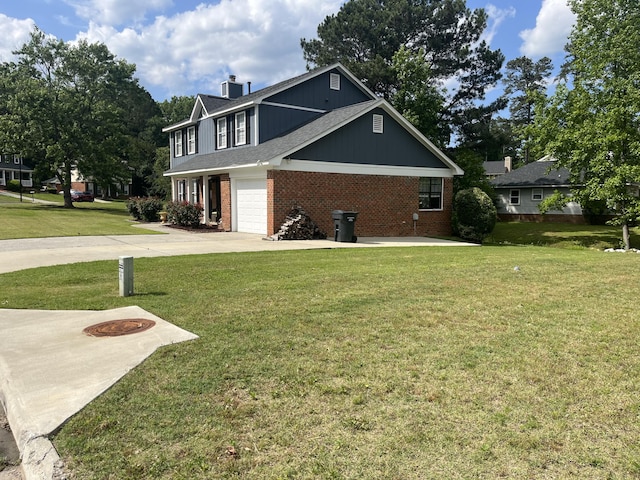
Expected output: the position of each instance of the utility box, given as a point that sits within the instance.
(345, 224)
(125, 275)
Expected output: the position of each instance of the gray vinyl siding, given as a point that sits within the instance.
(206, 136)
(316, 93)
(356, 143)
(275, 121)
(528, 206)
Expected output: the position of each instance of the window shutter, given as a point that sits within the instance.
(378, 123)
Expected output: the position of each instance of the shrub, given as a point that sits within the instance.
(146, 209)
(184, 214)
(13, 185)
(474, 215)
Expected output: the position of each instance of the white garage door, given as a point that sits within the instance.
(252, 205)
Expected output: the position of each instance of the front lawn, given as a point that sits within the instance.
(33, 220)
(383, 363)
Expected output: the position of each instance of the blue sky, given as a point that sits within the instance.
(184, 47)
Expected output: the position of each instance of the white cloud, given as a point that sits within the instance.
(553, 26)
(496, 17)
(116, 12)
(15, 34)
(192, 52)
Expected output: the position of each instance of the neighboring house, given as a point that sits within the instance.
(321, 141)
(494, 169)
(520, 192)
(12, 167)
(85, 184)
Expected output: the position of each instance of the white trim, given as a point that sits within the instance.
(363, 169)
(510, 196)
(293, 107)
(439, 209)
(220, 134)
(177, 135)
(190, 143)
(540, 191)
(238, 131)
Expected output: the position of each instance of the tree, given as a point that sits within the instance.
(365, 35)
(62, 106)
(524, 83)
(474, 214)
(591, 125)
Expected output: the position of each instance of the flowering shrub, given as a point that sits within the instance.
(184, 214)
(145, 208)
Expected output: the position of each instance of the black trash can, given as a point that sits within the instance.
(344, 223)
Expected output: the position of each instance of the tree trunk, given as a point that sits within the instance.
(66, 185)
(625, 235)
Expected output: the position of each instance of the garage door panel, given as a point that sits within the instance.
(252, 205)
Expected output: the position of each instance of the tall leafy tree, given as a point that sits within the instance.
(365, 35)
(63, 106)
(525, 82)
(592, 123)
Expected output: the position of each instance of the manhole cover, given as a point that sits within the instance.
(115, 328)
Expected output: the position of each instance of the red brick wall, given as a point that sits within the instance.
(385, 204)
(225, 199)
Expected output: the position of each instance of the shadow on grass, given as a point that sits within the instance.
(560, 235)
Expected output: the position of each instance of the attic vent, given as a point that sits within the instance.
(378, 123)
(334, 81)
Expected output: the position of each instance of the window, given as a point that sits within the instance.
(241, 128)
(177, 144)
(536, 194)
(181, 193)
(191, 140)
(334, 81)
(430, 195)
(17, 160)
(378, 123)
(514, 197)
(222, 133)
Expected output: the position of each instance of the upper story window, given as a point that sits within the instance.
(191, 140)
(17, 160)
(222, 133)
(241, 128)
(334, 81)
(430, 195)
(378, 123)
(177, 143)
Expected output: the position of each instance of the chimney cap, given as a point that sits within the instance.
(232, 78)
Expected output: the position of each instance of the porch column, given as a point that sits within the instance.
(205, 200)
(174, 189)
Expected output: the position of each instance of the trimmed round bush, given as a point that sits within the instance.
(13, 185)
(184, 214)
(474, 215)
(146, 209)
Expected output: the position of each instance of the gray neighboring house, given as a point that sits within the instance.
(494, 169)
(13, 167)
(520, 192)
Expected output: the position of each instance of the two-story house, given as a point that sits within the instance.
(13, 167)
(321, 141)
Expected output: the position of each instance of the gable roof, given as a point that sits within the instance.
(536, 174)
(275, 150)
(214, 105)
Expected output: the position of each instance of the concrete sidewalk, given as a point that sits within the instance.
(50, 369)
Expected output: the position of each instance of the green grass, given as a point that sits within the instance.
(563, 235)
(407, 363)
(33, 220)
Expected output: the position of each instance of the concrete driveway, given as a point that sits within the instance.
(39, 252)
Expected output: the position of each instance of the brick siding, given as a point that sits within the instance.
(225, 199)
(385, 204)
